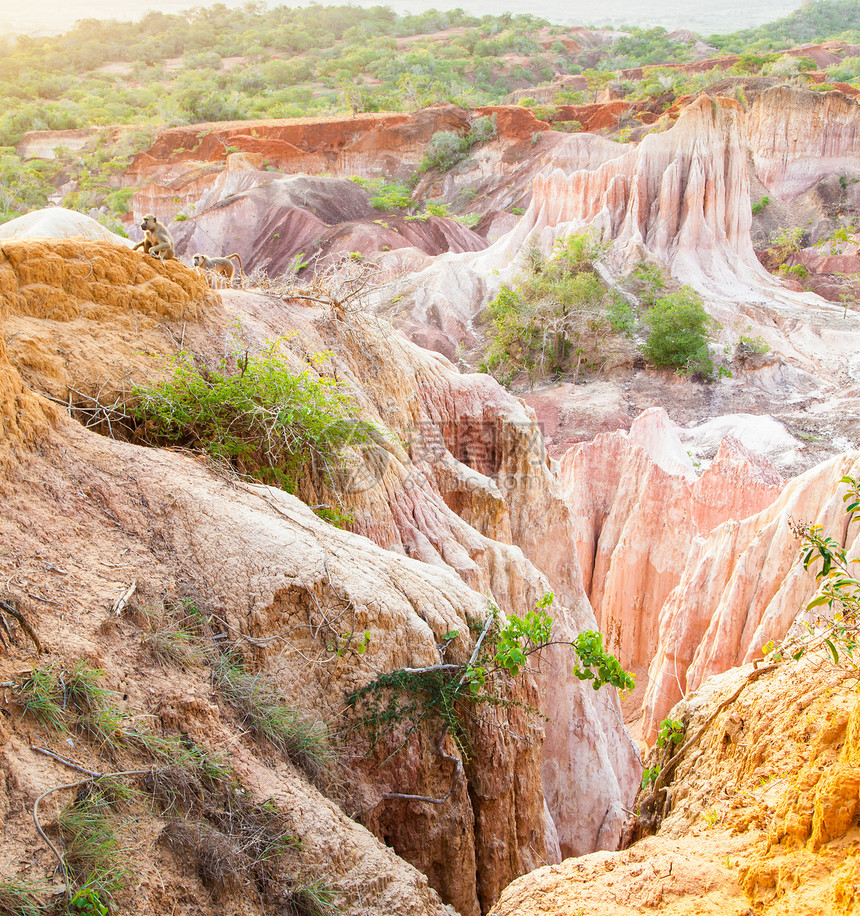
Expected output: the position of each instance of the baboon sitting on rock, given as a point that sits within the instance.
(157, 240)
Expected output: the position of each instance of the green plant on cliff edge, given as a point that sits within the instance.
(669, 735)
(266, 420)
(395, 705)
(838, 631)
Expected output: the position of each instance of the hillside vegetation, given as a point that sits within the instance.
(219, 64)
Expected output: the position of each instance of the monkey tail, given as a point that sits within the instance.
(237, 258)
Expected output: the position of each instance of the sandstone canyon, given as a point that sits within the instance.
(656, 507)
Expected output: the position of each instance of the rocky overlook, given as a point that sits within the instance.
(169, 609)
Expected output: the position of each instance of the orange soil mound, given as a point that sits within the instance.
(83, 315)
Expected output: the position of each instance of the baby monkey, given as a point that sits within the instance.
(157, 241)
(222, 267)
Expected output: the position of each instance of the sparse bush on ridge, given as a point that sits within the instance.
(263, 418)
(386, 193)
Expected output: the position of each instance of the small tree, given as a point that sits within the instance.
(556, 315)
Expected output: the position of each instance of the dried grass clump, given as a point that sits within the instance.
(22, 898)
(303, 741)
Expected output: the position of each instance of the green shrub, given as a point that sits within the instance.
(447, 148)
(671, 731)
(266, 420)
(678, 333)
(438, 210)
(748, 346)
(387, 194)
(759, 205)
(835, 631)
(621, 316)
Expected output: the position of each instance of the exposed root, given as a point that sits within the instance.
(9, 606)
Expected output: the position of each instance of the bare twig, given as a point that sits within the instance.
(119, 605)
(71, 785)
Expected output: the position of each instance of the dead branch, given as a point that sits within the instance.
(119, 605)
(71, 785)
(6, 607)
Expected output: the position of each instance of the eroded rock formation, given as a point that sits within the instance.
(743, 586)
(638, 506)
(763, 812)
(798, 137)
(459, 481)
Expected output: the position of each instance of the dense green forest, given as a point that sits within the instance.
(216, 64)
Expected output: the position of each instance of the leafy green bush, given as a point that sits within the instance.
(386, 193)
(389, 195)
(678, 333)
(748, 346)
(266, 420)
(785, 243)
(671, 731)
(597, 665)
(438, 210)
(648, 282)
(446, 149)
(759, 205)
